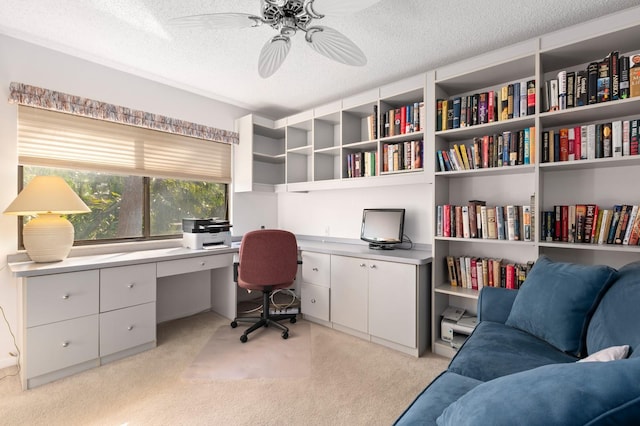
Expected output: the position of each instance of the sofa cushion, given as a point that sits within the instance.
(557, 299)
(445, 389)
(615, 320)
(494, 350)
(589, 393)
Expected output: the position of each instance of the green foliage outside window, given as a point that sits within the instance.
(118, 207)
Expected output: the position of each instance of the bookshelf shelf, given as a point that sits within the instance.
(592, 247)
(465, 133)
(492, 171)
(457, 291)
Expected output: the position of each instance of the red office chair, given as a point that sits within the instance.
(268, 261)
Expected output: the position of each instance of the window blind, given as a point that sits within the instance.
(55, 139)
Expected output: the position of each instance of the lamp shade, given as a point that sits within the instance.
(46, 194)
(47, 237)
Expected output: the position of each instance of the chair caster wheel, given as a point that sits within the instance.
(285, 335)
(233, 324)
(243, 338)
(293, 320)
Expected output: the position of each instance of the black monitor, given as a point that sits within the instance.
(382, 228)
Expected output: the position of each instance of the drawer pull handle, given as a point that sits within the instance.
(65, 297)
(131, 285)
(65, 344)
(362, 265)
(130, 328)
(202, 263)
(315, 269)
(313, 300)
(373, 266)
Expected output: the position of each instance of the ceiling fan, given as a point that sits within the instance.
(287, 17)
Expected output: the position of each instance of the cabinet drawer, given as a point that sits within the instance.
(315, 301)
(60, 297)
(193, 264)
(126, 328)
(127, 286)
(63, 344)
(316, 268)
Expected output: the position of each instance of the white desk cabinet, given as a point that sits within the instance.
(384, 301)
(60, 325)
(316, 285)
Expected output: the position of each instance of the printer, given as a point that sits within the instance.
(456, 332)
(205, 233)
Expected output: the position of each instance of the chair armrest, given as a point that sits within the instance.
(494, 304)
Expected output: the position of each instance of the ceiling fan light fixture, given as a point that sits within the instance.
(334, 45)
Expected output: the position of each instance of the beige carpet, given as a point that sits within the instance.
(265, 355)
(352, 382)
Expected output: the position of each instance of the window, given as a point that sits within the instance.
(119, 210)
(139, 183)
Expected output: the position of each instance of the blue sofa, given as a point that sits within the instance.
(519, 366)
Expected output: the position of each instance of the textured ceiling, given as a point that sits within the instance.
(399, 37)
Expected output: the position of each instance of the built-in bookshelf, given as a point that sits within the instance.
(348, 143)
(579, 155)
(514, 150)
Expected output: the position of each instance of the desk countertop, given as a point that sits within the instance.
(82, 263)
(415, 257)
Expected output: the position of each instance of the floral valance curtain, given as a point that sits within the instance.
(32, 96)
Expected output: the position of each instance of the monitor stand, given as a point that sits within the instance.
(375, 246)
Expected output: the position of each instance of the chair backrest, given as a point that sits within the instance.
(268, 258)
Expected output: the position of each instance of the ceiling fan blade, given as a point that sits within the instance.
(273, 55)
(334, 45)
(217, 21)
(340, 7)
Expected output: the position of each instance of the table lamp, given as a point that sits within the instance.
(47, 237)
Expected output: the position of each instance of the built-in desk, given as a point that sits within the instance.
(90, 310)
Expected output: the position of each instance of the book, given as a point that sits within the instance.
(581, 214)
(592, 83)
(526, 221)
(562, 90)
(634, 75)
(531, 97)
(614, 75)
(614, 223)
(491, 223)
(511, 222)
(607, 215)
(581, 88)
(500, 228)
(630, 222)
(623, 69)
(554, 102)
(616, 138)
(603, 82)
(465, 222)
(625, 212)
(451, 268)
(589, 222)
(571, 89)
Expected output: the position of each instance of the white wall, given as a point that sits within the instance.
(26, 63)
(338, 213)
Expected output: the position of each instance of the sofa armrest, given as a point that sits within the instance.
(494, 304)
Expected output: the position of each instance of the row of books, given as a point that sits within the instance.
(509, 101)
(589, 224)
(614, 77)
(477, 220)
(402, 156)
(497, 150)
(478, 272)
(603, 140)
(362, 164)
(405, 119)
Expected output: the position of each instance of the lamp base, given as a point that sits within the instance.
(48, 238)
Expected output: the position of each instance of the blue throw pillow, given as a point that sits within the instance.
(585, 394)
(556, 301)
(615, 320)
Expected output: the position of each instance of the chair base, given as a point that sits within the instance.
(265, 320)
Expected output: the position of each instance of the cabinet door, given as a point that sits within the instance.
(349, 289)
(243, 156)
(392, 302)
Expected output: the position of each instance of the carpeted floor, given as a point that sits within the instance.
(351, 382)
(265, 355)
